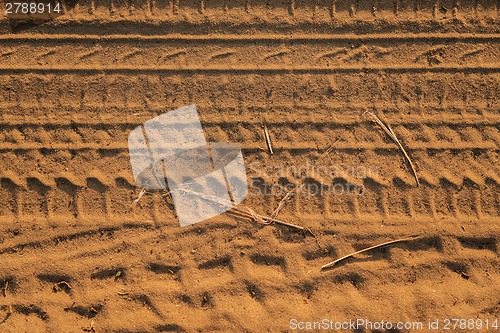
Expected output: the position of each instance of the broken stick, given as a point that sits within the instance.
(333, 263)
(388, 130)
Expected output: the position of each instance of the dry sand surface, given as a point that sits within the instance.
(75, 256)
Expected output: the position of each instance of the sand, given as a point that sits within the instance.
(75, 256)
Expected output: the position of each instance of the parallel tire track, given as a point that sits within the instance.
(71, 90)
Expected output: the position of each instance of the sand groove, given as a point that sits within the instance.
(337, 52)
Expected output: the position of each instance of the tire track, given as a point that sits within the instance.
(456, 259)
(269, 70)
(71, 90)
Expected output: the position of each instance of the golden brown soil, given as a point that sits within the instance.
(73, 88)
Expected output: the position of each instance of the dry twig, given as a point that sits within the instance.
(62, 285)
(268, 139)
(243, 210)
(136, 201)
(388, 130)
(333, 263)
(90, 328)
(328, 150)
(290, 193)
(282, 203)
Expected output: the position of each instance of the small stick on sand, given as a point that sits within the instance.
(59, 285)
(387, 129)
(316, 238)
(90, 328)
(268, 139)
(136, 201)
(246, 212)
(291, 225)
(262, 219)
(289, 193)
(328, 151)
(282, 203)
(333, 263)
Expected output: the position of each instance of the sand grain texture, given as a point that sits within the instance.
(73, 88)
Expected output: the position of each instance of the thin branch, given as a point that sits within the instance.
(289, 193)
(282, 203)
(136, 201)
(328, 150)
(60, 285)
(333, 263)
(388, 130)
(242, 210)
(268, 139)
